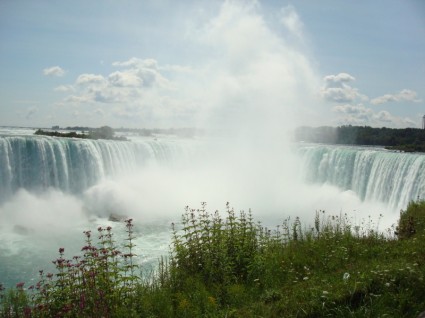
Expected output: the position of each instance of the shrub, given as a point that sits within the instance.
(412, 220)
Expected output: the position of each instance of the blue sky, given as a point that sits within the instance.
(167, 63)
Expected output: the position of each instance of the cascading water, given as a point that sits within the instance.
(37, 163)
(72, 165)
(373, 174)
(52, 189)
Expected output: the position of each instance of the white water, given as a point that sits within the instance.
(373, 174)
(52, 189)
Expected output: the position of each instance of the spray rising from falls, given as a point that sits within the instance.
(77, 166)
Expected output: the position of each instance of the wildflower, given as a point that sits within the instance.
(325, 292)
(61, 250)
(305, 278)
(27, 312)
(20, 285)
(184, 304)
(345, 277)
(82, 301)
(211, 300)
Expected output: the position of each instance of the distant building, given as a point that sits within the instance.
(57, 127)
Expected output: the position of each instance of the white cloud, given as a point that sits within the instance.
(54, 71)
(337, 90)
(345, 94)
(338, 80)
(404, 95)
(85, 79)
(65, 88)
(291, 20)
(137, 63)
(351, 110)
(143, 71)
(361, 115)
(124, 79)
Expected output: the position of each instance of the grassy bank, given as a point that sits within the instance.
(227, 265)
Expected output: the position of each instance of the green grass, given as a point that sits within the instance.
(228, 265)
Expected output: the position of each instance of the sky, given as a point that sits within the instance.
(210, 63)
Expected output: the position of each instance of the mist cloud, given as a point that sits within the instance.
(249, 74)
(292, 21)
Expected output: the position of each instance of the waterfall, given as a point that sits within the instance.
(374, 174)
(36, 163)
(73, 165)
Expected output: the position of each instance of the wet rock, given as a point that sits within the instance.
(114, 217)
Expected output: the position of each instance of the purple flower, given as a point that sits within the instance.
(20, 285)
(61, 250)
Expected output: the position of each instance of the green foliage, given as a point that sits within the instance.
(233, 267)
(104, 132)
(412, 220)
(218, 251)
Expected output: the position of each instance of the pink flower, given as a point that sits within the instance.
(20, 285)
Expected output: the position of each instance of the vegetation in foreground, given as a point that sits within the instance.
(234, 267)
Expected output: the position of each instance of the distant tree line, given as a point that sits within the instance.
(405, 139)
(104, 132)
(181, 132)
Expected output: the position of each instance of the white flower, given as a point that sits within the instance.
(346, 276)
(305, 278)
